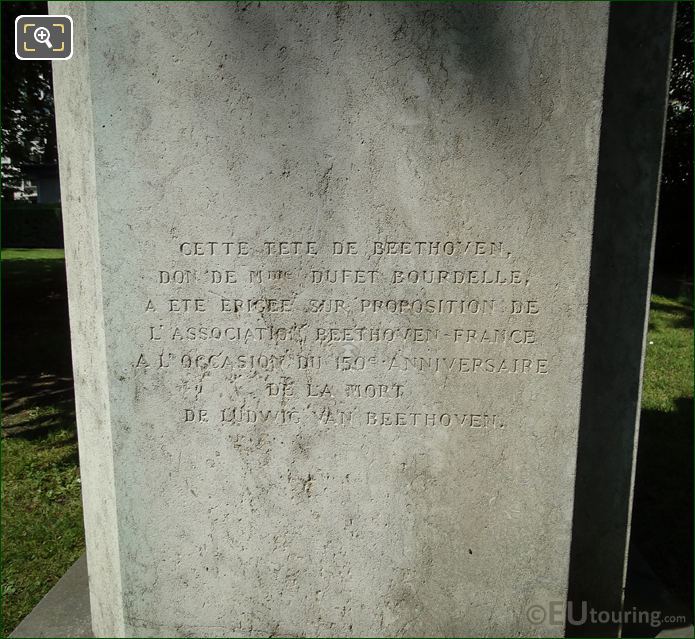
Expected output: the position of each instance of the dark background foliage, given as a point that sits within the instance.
(674, 240)
(28, 128)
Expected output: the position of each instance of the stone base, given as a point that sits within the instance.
(64, 611)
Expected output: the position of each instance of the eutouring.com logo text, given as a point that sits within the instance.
(562, 612)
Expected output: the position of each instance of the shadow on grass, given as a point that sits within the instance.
(33, 406)
(674, 288)
(37, 372)
(661, 552)
(680, 315)
(35, 326)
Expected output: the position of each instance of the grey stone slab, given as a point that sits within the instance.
(686, 631)
(637, 63)
(328, 269)
(64, 611)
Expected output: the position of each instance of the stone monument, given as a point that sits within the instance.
(328, 271)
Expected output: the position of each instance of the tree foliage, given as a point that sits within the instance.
(28, 127)
(674, 248)
(678, 166)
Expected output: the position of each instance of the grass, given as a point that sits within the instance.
(33, 255)
(42, 525)
(42, 531)
(662, 514)
(668, 371)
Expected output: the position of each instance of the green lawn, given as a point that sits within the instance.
(668, 372)
(662, 515)
(12, 255)
(42, 523)
(42, 531)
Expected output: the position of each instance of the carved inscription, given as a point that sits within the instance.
(284, 331)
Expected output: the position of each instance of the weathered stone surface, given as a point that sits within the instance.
(328, 272)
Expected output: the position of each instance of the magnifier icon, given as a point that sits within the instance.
(42, 36)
